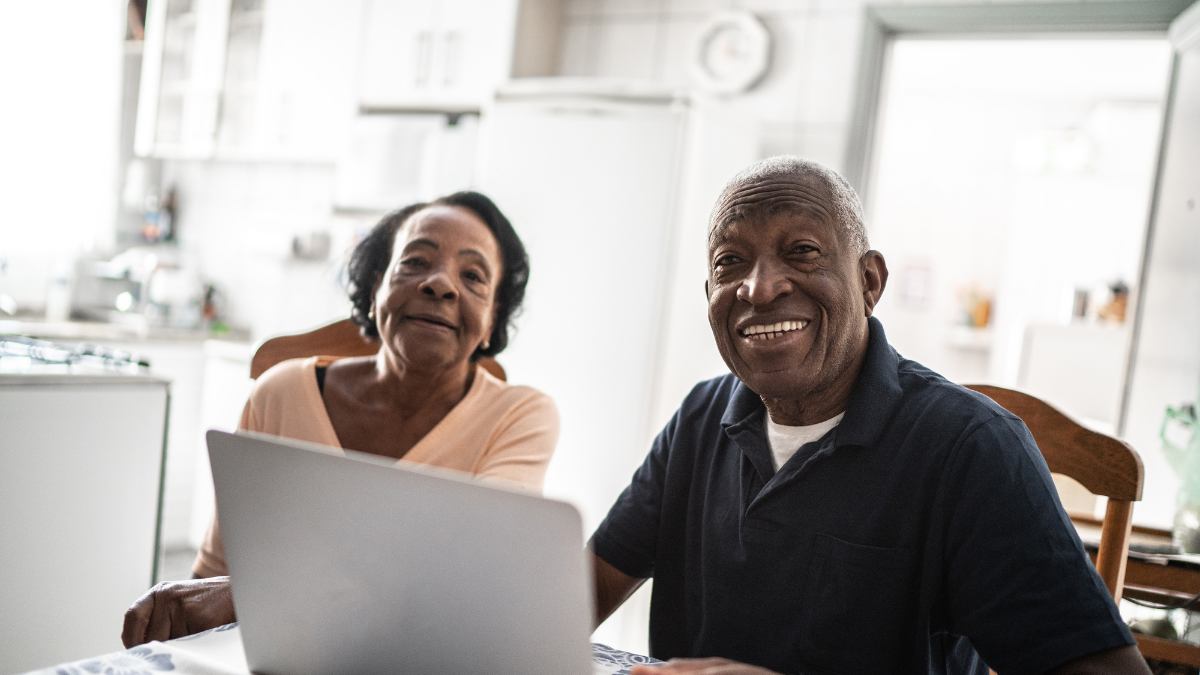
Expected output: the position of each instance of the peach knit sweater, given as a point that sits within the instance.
(496, 431)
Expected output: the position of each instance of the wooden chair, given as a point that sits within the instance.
(1105, 466)
(341, 338)
(1102, 464)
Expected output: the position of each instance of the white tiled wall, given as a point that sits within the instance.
(802, 106)
(240, 218)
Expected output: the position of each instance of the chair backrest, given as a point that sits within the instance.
(341, 338)
(1104, 465)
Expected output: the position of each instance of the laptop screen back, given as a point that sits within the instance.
(342, 565)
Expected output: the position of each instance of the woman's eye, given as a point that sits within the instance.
(412, 262)
(474, 276)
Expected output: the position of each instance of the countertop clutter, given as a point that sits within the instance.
(110, 331)
(25, 355)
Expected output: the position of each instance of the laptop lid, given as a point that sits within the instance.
(341, 564)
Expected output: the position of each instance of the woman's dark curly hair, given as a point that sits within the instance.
(371, 256)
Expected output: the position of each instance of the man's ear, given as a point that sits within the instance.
(707, 295)
(874, 278)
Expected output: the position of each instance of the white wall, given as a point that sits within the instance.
(60, 65)
(801, 107)
(239, 218)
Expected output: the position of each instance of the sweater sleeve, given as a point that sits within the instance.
(522, 444)
(210, 560)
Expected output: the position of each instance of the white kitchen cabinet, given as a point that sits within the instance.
(80, 504)
(435, 54)
(248, 79)
(183, 63)
(306, 89)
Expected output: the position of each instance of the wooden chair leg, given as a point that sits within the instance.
(1111, 559)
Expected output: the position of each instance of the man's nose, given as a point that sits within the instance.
(439, 285)
(764, 285)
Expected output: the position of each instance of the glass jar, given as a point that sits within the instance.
(1186, 531)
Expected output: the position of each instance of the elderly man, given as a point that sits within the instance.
(831, 506)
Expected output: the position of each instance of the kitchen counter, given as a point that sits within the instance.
(80, 508)
(103, 331)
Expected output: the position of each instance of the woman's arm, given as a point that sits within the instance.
(210, 559)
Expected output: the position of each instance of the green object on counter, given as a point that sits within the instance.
(1186, 463)
(1159, 628)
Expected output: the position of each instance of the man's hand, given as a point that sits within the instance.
(700, 667)
(174, 609)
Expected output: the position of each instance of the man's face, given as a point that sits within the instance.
(788, 296)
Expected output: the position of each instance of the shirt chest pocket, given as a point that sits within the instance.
(858, 608)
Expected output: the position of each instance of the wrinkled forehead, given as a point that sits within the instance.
(442, 220)
(768, 197)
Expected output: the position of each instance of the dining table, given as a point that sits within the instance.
(218, 651)
(1157, 574)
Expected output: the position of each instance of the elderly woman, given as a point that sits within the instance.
(437, 284)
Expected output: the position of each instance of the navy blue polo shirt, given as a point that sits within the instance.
(919, 535)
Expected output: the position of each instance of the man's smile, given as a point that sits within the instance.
(771, 331)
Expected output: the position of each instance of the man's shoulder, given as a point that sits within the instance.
(930, 398)
(700, 415)
(709, 395)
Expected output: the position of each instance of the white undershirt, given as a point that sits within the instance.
(785, 440)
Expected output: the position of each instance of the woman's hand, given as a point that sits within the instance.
(174, 609)
(700, 667)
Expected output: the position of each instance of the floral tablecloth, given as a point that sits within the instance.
(219, 652)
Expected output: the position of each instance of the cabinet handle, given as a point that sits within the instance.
(450, 72)
(424, 57)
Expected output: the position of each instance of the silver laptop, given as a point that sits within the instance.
(345, 564)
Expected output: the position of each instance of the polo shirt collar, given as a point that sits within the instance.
(876, 394)
(743, 424)
(873, 401)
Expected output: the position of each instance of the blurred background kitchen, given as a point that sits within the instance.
(181, 179)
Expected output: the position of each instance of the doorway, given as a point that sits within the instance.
(1010, 188)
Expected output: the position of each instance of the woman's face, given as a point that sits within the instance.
(436, 301)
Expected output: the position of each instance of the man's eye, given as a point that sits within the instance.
(728, 260)
(804, 248)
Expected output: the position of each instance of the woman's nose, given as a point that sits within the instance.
(438, 285)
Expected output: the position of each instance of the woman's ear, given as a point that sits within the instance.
(487, 338)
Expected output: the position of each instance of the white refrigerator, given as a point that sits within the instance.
(589, 173)
(589, 176)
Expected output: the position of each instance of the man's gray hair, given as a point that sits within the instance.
(847, 209)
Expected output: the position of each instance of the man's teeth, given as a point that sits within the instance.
(772, 330)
